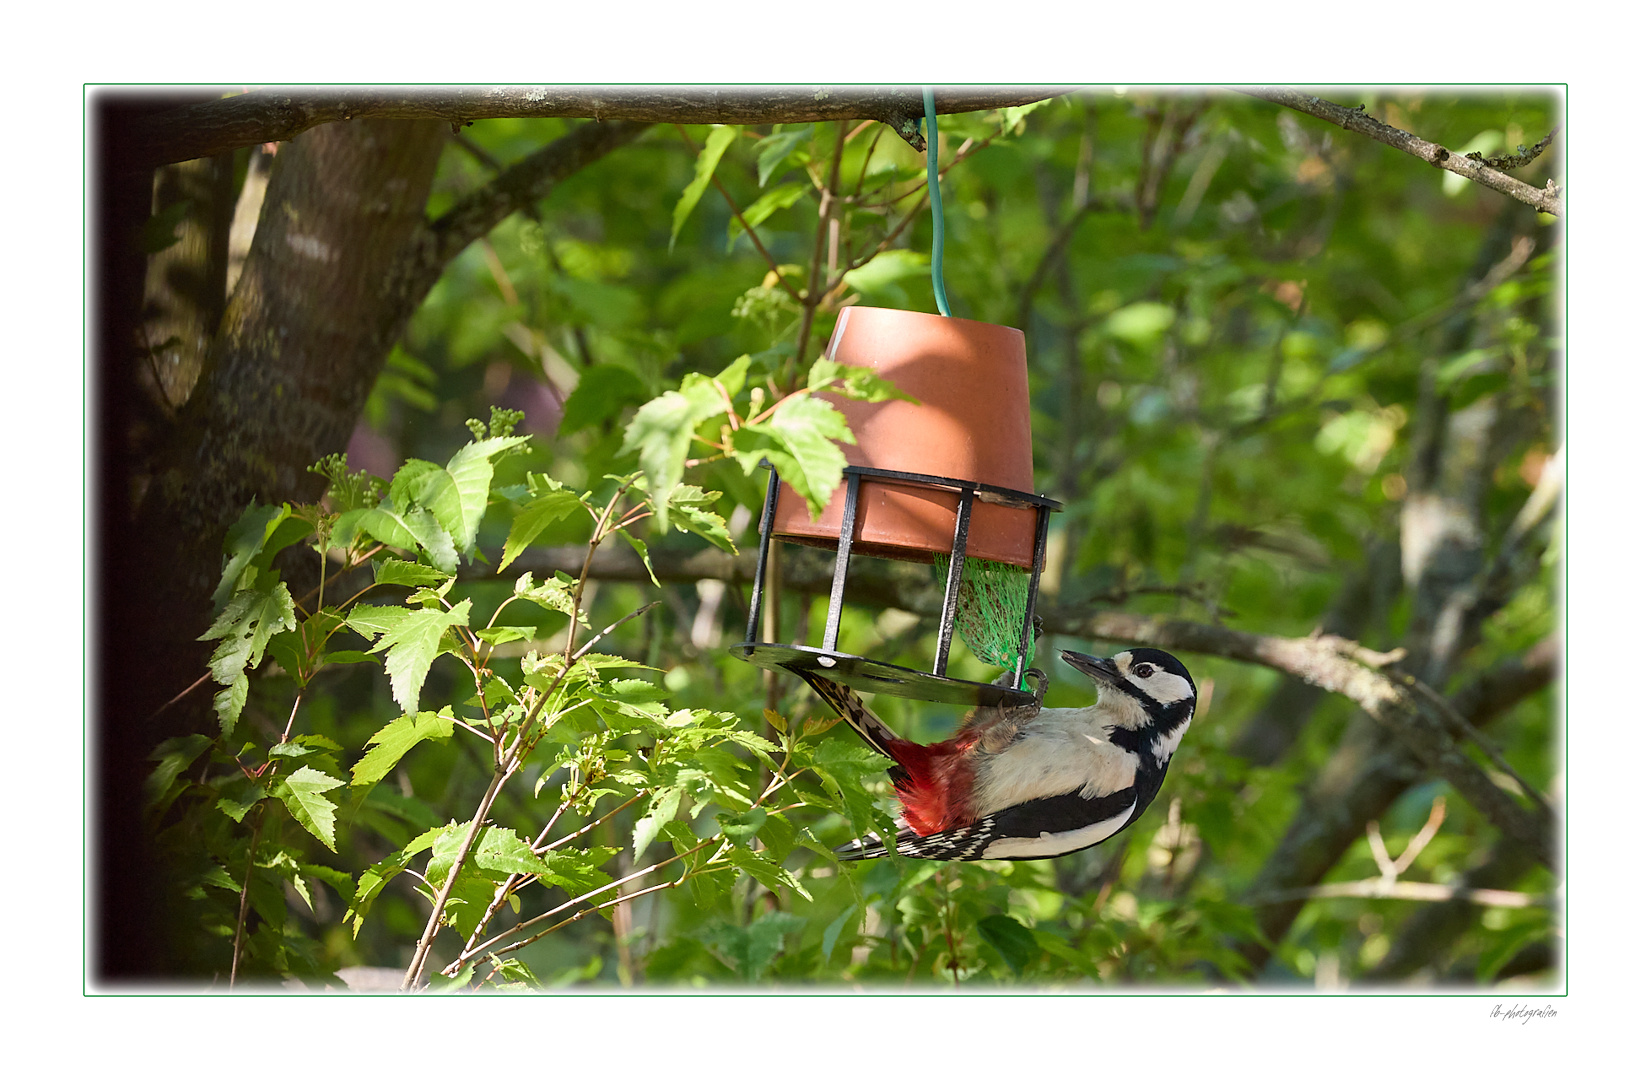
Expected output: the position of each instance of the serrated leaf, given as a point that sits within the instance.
(688, 508)
(705, 165)
(391, 742)
(552, 594)
(535, 518)
(662, 430)
(805, 426)
(662, 809)
(853, 382)
(498, 635)
(400, 572)
(246, 624)
(229, 702)
(243, 543)
(501, 850)
(471, 471)
(742, 827)
(302, 792)
(412, 639)
(767, 872)
(383, 523)
(749, 950)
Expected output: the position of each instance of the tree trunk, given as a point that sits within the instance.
(321, 300)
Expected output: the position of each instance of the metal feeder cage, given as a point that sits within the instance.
(876, 676)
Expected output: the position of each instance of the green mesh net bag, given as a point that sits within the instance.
(991, 608)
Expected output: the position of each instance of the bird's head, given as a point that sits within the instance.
(1141, 686)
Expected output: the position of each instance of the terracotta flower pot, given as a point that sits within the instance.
(973, 423)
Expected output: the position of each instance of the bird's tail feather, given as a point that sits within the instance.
(847, 704)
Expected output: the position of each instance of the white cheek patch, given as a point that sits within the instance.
(1164, 687)
(1048, 845)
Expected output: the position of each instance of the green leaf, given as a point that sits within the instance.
(1012, 941)
(706, 165)
(886, 268)
(501, 850)
(781, 198)
(393, 741)
(412, 638)
(382, 523)
(174, 756)
(766, 871)
(742, 827)
(832, 932)
(641, 550)
(398, 572)
(689, 509)
(535, 518)
(302, 793)
(471, 471)
(662, 809)
(229, 702)
(749, 950)
(854, 383)
(498, 635)
(245, 626)
(805, 426)
(603, 390)
(244, 542)
(552, 594)
(776, 149)
(663, 430)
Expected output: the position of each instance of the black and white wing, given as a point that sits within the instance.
(1040, 829)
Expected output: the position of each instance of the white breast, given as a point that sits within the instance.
(1061, 751)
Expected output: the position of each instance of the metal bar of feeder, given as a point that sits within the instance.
(1039, 544)
(765, 533)
(839, 575)
(954, 581)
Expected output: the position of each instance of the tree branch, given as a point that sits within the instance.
(279, 113)
(1356, 119)
(1417, 721)
(518, 187)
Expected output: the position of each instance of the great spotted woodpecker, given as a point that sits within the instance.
(1031, 782)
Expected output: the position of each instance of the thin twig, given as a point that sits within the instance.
(246, 891)
(1381, 889)
(750, 230)
(1356, 119)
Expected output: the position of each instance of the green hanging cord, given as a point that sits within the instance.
(939, 250)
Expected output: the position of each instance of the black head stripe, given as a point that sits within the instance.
(1164, 660)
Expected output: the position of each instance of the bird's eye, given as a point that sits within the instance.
(1142, 671)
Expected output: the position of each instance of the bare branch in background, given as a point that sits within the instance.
(1356, 119)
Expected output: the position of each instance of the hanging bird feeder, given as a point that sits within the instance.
(943, 480)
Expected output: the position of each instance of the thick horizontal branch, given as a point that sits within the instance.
(1356, 119)
(276, 114)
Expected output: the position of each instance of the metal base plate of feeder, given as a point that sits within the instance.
(877, 677)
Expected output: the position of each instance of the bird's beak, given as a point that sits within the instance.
(1101, 670)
